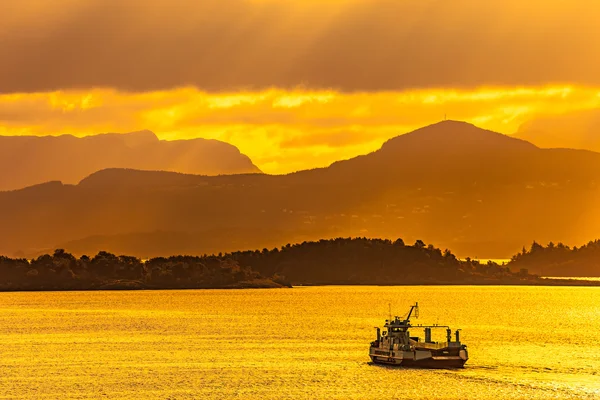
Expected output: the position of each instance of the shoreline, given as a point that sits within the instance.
(541, 282)
(138, 285)
(272, 285)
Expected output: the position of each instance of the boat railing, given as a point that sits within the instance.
(433, 346)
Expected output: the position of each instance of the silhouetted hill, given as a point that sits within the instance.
(130, 178)
(559, 259)
(454, 138)
(478, 192)
(370, 261)
(442, 152)
(29, 160)
(341, 261)
(105, 271)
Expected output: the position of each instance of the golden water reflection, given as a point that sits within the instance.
(307, 342)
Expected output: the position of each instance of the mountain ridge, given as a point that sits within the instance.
(69, 159)
(464, 131)
(481, 203)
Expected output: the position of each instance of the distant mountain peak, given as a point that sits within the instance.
(455, 136)
(451, 122)
(131, 139)
(29, 160)
(143, 134)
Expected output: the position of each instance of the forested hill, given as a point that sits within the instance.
(372, 261)
(342, 261)
(560, 260)
(62, 271)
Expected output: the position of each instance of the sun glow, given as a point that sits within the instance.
(285, 130)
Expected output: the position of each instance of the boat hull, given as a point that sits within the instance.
(429, 363)
(419, 359)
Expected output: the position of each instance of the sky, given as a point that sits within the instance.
(294, 84)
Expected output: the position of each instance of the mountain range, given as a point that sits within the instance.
(30, 160)
(477, 192)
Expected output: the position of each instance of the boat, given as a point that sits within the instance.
(395, 346)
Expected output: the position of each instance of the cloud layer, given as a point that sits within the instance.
(343, 45)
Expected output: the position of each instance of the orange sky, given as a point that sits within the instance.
(280, 130)
(294, 84)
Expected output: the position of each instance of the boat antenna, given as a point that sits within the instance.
(390, 307)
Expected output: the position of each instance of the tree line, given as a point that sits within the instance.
(335, 261)
(370, 261)
(559, 259)
(63, 271)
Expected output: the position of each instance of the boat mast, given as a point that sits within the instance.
(416, 308)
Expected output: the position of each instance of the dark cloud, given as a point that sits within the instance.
(353, 45)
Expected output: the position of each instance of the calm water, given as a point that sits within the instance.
(301, 343)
